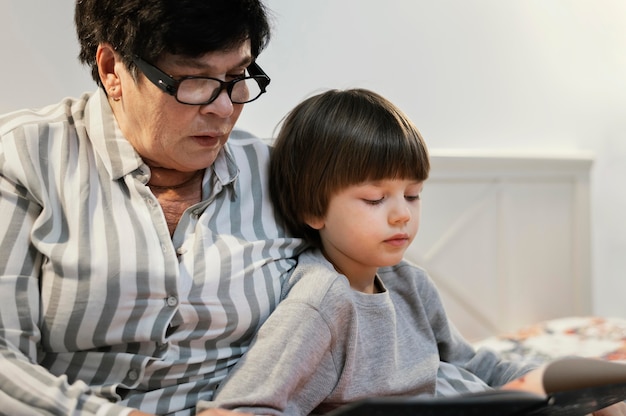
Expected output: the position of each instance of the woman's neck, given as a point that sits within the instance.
(176, 193)
(171, 179)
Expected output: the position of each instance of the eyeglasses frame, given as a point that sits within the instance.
(169, 84)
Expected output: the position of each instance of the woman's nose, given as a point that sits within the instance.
(221, 106)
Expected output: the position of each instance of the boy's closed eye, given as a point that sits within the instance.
(374, 201)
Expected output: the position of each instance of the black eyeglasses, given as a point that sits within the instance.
(204, 90)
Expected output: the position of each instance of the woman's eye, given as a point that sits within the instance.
(236, 76)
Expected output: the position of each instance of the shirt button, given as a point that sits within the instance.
(172, 301)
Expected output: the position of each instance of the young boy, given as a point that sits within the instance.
(356, 321)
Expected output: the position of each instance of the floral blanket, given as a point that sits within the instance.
(582, 336)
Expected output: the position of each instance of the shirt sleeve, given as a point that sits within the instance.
(26, 387)
(288, 369)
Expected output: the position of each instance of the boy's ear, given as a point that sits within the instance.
(315, 222)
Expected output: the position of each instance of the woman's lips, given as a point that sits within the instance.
(207, 139)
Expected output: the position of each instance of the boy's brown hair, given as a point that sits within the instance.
(334, 140)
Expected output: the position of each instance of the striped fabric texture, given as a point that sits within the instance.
(100, 309)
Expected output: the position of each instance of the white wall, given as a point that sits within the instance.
(527, 75)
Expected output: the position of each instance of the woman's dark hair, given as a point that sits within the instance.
(150, 28)
(334, 140)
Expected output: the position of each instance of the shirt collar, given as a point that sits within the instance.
(114, 150)
(225, 168)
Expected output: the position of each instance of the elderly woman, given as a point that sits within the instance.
(139, 249)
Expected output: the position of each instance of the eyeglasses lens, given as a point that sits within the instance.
(202, 90)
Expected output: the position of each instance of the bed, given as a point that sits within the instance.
(594, 337)
(505, 236)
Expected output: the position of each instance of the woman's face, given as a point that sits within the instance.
(171, 135)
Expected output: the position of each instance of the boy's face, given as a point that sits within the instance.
(370, 225)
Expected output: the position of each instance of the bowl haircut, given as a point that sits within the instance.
(334, 140)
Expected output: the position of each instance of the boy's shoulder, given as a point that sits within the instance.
(404, 268)
(314, 278)
(405, 276)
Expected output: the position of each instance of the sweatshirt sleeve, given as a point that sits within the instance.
(289, 368)
(453, 348)
(484, 363)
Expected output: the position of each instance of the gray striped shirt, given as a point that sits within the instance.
(100, 309)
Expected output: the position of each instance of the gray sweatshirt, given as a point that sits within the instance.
(326, 345)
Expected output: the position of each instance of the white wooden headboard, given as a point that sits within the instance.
(506, 238)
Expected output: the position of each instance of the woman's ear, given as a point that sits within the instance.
(106, 59)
